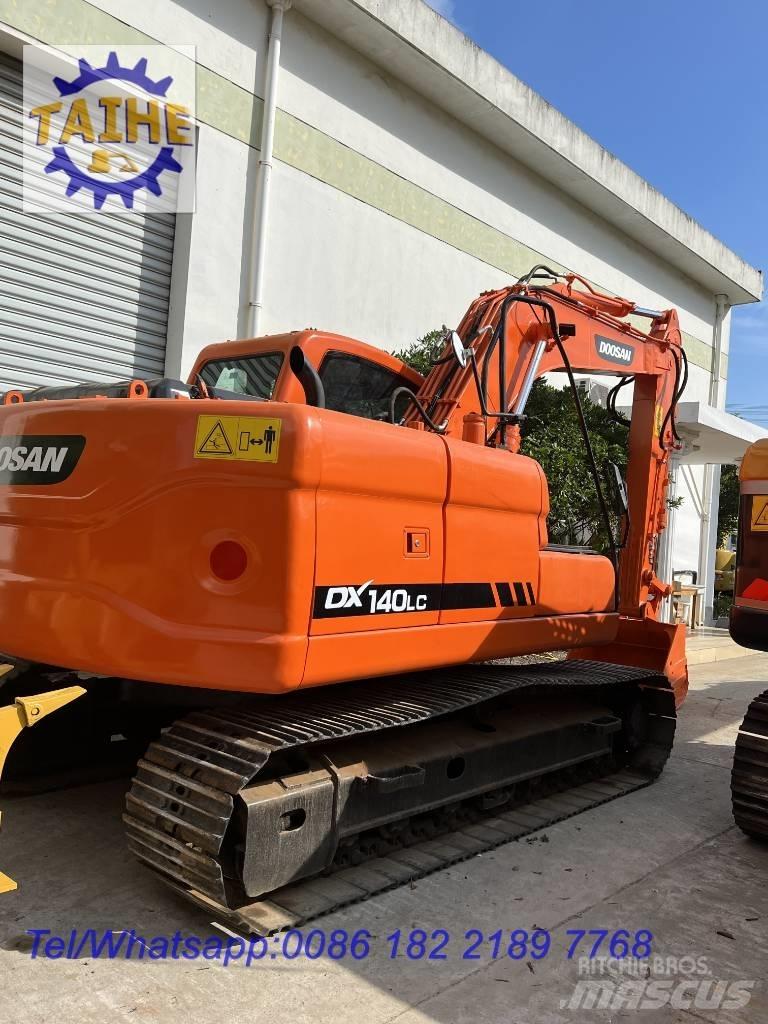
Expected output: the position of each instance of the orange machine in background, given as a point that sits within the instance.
(749, 614)
(306, 510)
(749, 627)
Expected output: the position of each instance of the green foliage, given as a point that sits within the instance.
(728, 510)
(551, 435)
(722, 606)
(420, 353)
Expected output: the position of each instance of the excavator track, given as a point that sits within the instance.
(222, 804)
(749, 776)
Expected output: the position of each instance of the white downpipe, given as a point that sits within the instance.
(261, 205)
(721, 309)
(711, 486)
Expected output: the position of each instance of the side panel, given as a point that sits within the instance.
(574, 582)
(379, 527)
(495, 502)
(502, 595)
(331, 659)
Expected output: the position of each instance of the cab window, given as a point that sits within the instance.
(359, 386)
(245, 375)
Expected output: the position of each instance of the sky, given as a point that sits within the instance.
(678, 90)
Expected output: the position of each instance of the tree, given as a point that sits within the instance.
(420, 353)
(552, 436)
(728, 509)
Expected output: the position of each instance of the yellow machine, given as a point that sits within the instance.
(23, 713)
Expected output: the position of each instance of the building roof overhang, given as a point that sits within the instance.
(417, 46)
(713, 435)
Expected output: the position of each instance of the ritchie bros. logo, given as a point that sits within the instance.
(112, 130)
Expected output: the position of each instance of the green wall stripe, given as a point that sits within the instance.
(317, 154)
(220, 103)
(238, 113)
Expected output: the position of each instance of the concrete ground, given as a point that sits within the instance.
(667, 859)
(708, 643)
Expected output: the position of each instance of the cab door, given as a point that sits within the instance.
(493, 528)
(380, 544)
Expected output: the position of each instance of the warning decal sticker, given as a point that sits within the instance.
(658, 419)
(760, 513)
(241, 438)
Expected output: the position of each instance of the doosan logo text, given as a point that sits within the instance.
(614, 351)
(35, 459)
(39, 458)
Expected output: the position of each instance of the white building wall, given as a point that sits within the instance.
(230, 38)
(339, 264)
(210, 272)
(685, 553)
(331, 87)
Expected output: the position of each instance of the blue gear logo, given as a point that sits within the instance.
(99, 187)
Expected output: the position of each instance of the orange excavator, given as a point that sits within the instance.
(749, 627)
(292, 579)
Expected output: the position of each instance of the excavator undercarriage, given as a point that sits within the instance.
(275, 810)
(279, 811)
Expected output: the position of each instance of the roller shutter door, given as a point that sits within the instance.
(82, 298)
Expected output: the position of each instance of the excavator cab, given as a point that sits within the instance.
(309, 367)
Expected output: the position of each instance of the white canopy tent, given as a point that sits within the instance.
(712, 435)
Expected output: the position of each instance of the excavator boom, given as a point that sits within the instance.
(511, 337)
(515, 335)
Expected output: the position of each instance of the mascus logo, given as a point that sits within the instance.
(614, 351)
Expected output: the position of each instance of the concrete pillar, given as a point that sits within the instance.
(710, 550)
